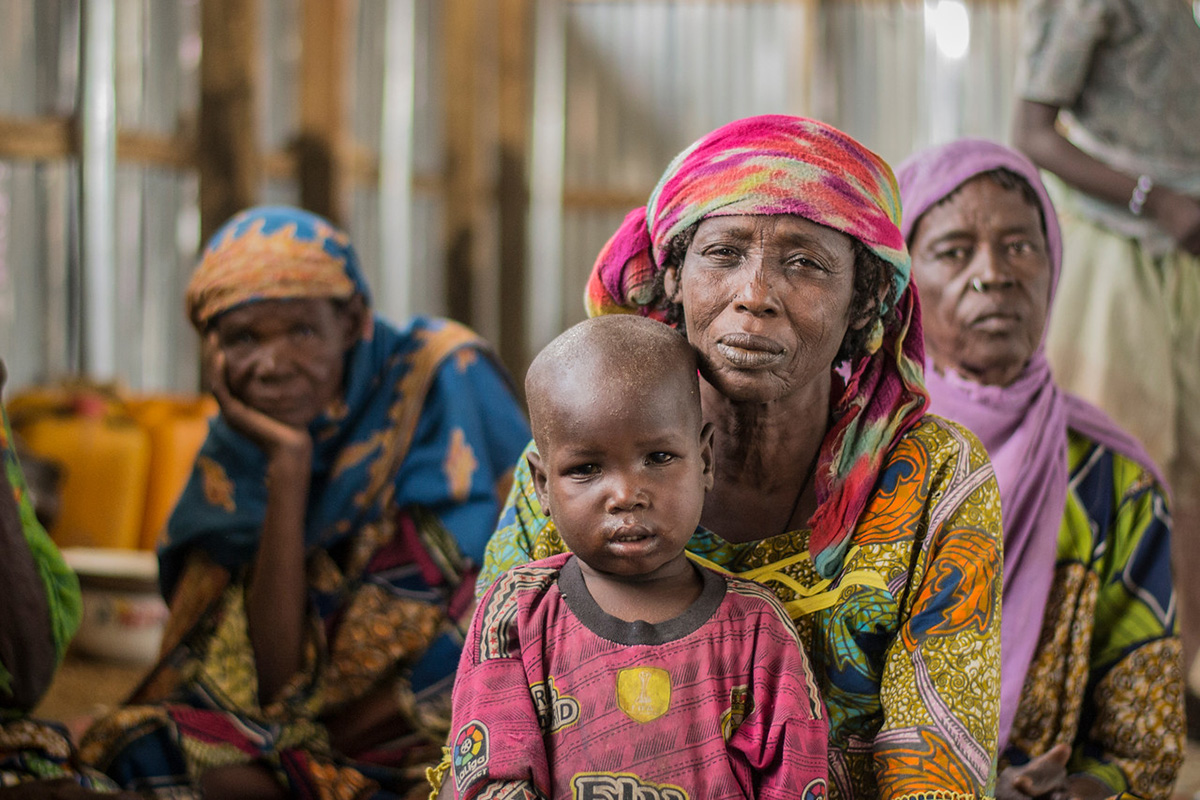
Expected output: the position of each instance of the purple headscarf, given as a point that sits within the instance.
(1022, 425)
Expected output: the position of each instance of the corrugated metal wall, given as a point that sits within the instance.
(644, 79)
(620, 88)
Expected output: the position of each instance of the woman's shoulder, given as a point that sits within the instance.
(1094, 465)
(942, 444)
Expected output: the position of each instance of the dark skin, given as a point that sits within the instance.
(622, 470)
(983, 267)
(767, 302)
(26, 644)
(1035, 133)
(274, 367)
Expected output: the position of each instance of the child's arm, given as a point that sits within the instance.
(785, 735)
(496, 745)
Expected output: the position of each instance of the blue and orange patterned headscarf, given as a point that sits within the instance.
(791, 165)
(376, 450)
(273, 253)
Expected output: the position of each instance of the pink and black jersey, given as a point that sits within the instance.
(554, 698)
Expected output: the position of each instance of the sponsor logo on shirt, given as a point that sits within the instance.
(621, 786)
(815, 790)
(470, 756)
(555, 711)
(643, 693)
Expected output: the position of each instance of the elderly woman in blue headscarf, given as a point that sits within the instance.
(321, 558)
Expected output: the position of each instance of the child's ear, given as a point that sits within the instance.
(538, 472)
(706, 453)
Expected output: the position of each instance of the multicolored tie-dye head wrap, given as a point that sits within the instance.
(273, 253)
(791, 165)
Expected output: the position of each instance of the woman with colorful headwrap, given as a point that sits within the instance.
(773, 243)
(321, 557)
(1091, 680)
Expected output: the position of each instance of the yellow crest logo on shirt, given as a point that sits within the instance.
(643, 693)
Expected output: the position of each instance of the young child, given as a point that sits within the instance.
(623, 670)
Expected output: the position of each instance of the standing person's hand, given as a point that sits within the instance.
(1178, 215)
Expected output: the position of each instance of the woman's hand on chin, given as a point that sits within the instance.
(274, 437)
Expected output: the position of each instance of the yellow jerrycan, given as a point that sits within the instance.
(177, 426)
(105, 460)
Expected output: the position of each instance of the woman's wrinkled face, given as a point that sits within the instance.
(286, 358)
(766, 302)
(982, 265)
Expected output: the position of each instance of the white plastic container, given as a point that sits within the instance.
(123, 614)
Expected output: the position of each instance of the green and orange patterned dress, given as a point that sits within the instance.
(1106, 677)
(904, 640)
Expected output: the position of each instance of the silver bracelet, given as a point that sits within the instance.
(1137, 200)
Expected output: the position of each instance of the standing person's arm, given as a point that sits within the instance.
(1061, 42)
(1036, 133)
(276, 596)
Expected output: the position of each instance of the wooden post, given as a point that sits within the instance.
(228, 156)
(469, 64)
(323, 141)
(515, 109)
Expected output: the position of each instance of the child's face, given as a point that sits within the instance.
(623, 475)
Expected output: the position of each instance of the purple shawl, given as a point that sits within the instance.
(1022, 425)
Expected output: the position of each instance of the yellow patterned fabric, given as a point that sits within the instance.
(904, 640)
(1106, 677)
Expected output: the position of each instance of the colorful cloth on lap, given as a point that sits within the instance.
(1106, 676)
(789, 165)
(388, 620)
(555, 698)
(914, 608)
(36, 750)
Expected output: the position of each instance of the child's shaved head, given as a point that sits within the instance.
(610, 362)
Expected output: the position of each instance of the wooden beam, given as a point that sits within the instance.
(38, 138)
(466, 193)
(172, 152)
(228, 153)
(515, 106)
(600, 199)
(322, 144)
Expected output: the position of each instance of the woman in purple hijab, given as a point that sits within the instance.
(1091, 679)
